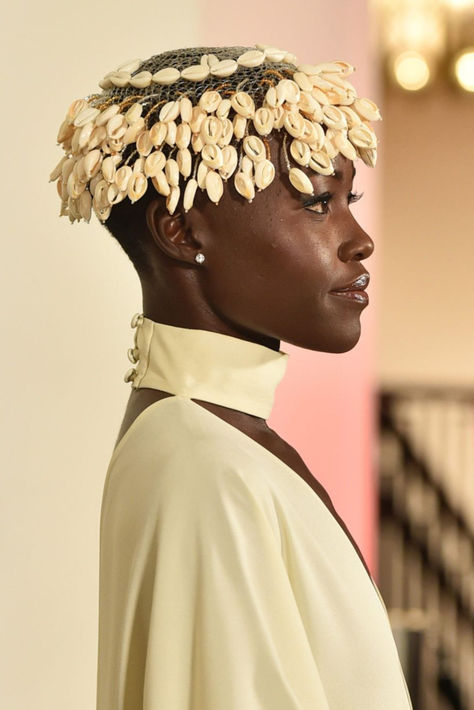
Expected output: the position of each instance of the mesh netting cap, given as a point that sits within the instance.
(195, 117)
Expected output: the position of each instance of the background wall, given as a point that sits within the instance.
(426, 333)
(68, 293)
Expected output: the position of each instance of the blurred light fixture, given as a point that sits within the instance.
(425, 40)
(410, 70)
(463, 66)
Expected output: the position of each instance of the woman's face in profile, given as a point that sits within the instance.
(271, 264)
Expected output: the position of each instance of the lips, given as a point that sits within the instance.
(358, 284)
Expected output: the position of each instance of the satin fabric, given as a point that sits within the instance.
(225, 582)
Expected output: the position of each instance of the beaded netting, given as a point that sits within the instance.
(200, 115)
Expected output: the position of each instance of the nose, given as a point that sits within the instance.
(357, 246)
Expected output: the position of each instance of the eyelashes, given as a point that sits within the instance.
(325, 197)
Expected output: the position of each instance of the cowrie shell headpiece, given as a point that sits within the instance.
(197, 117)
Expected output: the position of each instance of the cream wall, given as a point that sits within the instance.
(68, 293)
(426, 328)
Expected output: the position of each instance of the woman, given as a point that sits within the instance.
(227, 578)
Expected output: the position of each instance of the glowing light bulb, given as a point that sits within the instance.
(464, 69)
(411, 70)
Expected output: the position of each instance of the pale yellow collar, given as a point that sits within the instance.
(203, 364)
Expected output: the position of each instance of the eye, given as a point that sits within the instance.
(325, 198)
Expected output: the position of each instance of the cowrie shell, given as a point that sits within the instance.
(67, 168)
(212, 60)
(239, 125)
(114, 195)
(133, 113)
(251, 58)
(120, 78)
(86, 115)
(74, 186)
(352, 118)
(225, 67)
(222, 111)
(108, 169)
(196, 72)
(279, 114)
(211, 130)
(56, 172)
(139, 165)
(122, 176)
(368, 155)
(169, 111)
(209, 101)
(130, 65)
(186, 109)
(244, 185)
(183, 135)
(100, 194)
(214, 186)
(154, 162)
(273, 54)
(288, 90)
(227, 132)
(263, 121)
(158, 133)
(321, 83)
(198, 116)
(211, 154)
(272, 99)
(173, 199)
(300, 152)
(133, 130)
(362, 136)
(184, 161)
(344, 146)
(333, 117)
(290, 58)
(75, 108)
(116, 126)
(166, 76)
(172, 172)
(329, 146)
(95, 180)
(264, 174)
(65, 131)
(141, 80)
(105, 82)
(196, 142)
(301, 181)
(85, 134)
(243, 104)
(294, 124)
(320, 96)
(254, 147)
(302, 80)
(320, 162)
(107, 114)
(160, 183)
(230, 158)
(364, 107)
(313, 133)
(144, 143)
(189, 194)
(171, 130)
(247, 165)
(85, 205)
(202, 171)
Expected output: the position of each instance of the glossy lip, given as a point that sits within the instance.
(357, 296)
(358, 284)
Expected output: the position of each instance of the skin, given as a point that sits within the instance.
(268, 271)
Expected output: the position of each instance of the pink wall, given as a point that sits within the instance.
(325, 403)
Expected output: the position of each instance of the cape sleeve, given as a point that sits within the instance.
(224, 628)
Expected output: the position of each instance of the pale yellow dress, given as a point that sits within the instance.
(225, 581)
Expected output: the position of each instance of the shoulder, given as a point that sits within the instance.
(177, 448)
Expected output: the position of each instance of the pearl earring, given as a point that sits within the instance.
(199, 258)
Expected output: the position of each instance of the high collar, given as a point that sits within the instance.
(203, 364)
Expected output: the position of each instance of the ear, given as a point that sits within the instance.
(171, 232)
